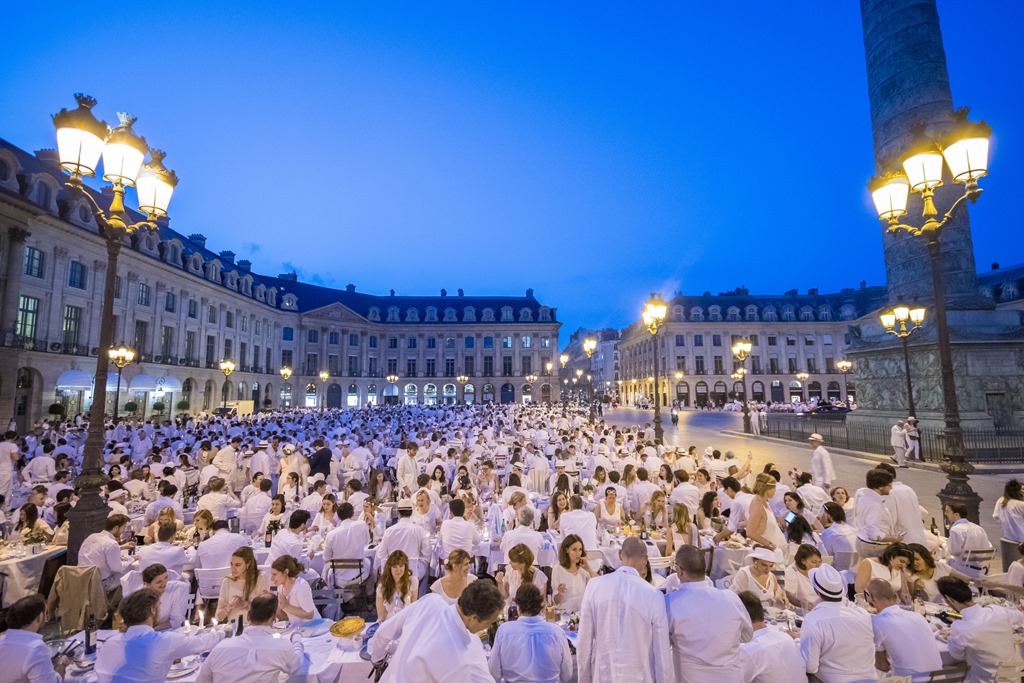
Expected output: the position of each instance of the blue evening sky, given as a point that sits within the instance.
(594, 151)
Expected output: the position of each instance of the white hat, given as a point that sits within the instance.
(709, 451)
(118, 493)
(517, 466)
(264, 444)
(766, 555)
(319, 476)
(815, 437)
(404, 504)
(827, 581)
(289, 448)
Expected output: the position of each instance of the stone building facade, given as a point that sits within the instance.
(790, 333)
(184, 308)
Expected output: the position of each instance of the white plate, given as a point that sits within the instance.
(315, 627)
(181, 673)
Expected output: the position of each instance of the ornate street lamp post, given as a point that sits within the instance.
(740, 350)
(227, 366)
(81, 142)
(844, 366)
(589, 344)
(965, 152)
(121, 356)
(392, 380)
(654, 315)
(895, 323)
(324, 376)
(563, 359)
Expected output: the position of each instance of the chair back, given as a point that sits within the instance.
(209, 582)
(1012, 671)
(347, 566)
(845, 560)
(978, 558)
(594, 558)
(249, 522)
(131, 582)
(955, 673)
(328, 601)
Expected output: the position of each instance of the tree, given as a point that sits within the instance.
(159, 406)
(131, 407)
(58, 410)
(183, 405)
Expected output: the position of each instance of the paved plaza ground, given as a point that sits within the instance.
(705, 428)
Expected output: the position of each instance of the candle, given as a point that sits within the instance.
(214, 622)
(202, 619)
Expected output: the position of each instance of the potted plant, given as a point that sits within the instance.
(183, 405)
(131, 407)
(159, 406)
(35, 539)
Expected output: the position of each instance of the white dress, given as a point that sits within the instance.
(609, 520)
(438, 589)
(396, 604)
(574, 584)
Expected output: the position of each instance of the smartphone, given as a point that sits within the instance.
(790, 516)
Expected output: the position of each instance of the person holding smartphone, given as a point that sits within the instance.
(24, 654)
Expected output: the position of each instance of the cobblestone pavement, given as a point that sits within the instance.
(703, 428)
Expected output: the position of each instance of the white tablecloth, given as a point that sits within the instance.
(21, 575)
(326, 658)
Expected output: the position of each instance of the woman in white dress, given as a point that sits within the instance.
(292, 489)
(244, 583)
(520, 570)
(927, 572)
(682, 531)
(892, 566)
(397, 587)
(709, 511)
(1009, 511)
(654, 514)
(277, 508)
(294, 596)
(327, 518)
(762, 527)
(799, 590)
(757, 577)
(570, 576)
(456, 577)
(609, 511)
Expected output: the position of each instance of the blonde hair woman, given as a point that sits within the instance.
(165, 516)
(682, 531)
(762, 527)
(456, 577)
(520, 570)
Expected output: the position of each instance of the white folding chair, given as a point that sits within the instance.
(209, 582)
(595, 558)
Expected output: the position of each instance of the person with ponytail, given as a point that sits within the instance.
(294, 596)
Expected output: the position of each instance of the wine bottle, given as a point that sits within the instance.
(935, 528)
(90, 635)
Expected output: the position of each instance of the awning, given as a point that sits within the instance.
(168, 384)
(142, 383)
(74, 380)
(112, 382)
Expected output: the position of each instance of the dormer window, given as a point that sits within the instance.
(525, 315)
(807, 314)
(393, 314)
(697, 314)
(412, 315)
(488, 315)
(506, 314)
(431, 314)
(289, 301)
(374, 314)
(449, 315)
(733, 314)
(469, 314)
(751, 313)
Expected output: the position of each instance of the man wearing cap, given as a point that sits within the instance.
(913, 439)
(836, 639)
(821, 463)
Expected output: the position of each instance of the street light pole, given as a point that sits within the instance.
(844, 367)
(227, 367)
(654, 315)
(895, 322)
(740, 350)
(965, 153)
(121, 357)
(81, 141)
(324, 376)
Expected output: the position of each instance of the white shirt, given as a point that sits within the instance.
(215, 552)
(301, 596)
(905, 511)
(908, 640)
(873, 519)
(154, 508)
(706, 626)
(837, 643)
(525, 536)
(1010, 513)
(26, 657)
(739, 511)
(218, 504)
(101, 550)
(286, 542)
(530, 650)
(169, 555)
(259, 655)
(458, 534)
(437, 647)
(775, 657)
(348, 541)
(407, 472)
(814, 497)
(821, 467)
(964, 536)
(839, 538)
(257, 505)
(581, 523)
(686, 494)
(623, 632)
(174, 603)
(984, 639)
(410, 539)
(142, 655)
